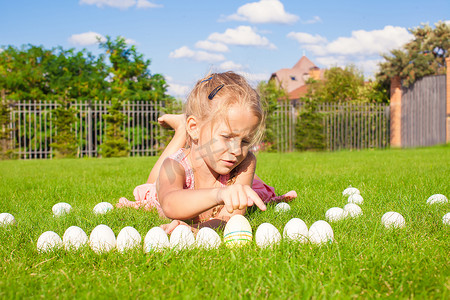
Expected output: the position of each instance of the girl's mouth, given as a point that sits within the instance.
(229, 163)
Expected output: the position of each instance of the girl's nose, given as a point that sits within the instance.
(235, 148)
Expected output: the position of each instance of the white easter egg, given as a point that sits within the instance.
(61, 208)
(335, 214)
(296, 230)
(320, 232)
(181, 238)
(393, 219)
(102, 208)
(446, 219)
(437, 199)
(7, 219)
(102, 239)
(350, 191)
(128, 238)
(353, 210)
(237, 232)
(74, 237)
(49, 240)
(355, 198)
(208, 238)
(156, 239)
(267, 235)
(282, 207)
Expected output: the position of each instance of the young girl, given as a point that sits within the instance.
(210, 180)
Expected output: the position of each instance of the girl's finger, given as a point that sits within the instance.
(256, 199)
(242, 199)
(235, 200)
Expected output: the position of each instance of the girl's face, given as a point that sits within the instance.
(224, 144)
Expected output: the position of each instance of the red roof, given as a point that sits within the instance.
(294, 80)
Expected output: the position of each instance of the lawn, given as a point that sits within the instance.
(366, 260)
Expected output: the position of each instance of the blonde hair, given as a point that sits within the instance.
(213, 95)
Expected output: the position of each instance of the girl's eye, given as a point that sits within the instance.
(226, 137)
(245, 142)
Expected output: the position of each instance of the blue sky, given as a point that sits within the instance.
(187, 39)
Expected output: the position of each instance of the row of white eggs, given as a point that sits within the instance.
(237, 232)
(103, 239)
(63, 208)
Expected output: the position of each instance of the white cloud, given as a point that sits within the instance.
(122, 4)
(91, 38)
(146, 4)
(185, 52)
(230, 66)
(362, 48)
(315, 19)
(254, 78)
(331, 61)
(361, 42)
(306, 38)
(367, 65)
(264, 11)
(130, 42)
(86, 39)
(241, 36)
(372, 42)
(178, 90)
(210, 46)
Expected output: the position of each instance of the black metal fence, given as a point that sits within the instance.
(345, 125)
(32, 129)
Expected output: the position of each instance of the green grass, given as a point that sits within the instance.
(366, 260)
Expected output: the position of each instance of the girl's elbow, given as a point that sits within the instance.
(167, 209)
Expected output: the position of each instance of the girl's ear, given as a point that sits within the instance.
(192, 127)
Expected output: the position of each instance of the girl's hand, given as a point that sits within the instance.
(168, 228)
(238, 196)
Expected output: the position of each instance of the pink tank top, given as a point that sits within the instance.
(181, 157)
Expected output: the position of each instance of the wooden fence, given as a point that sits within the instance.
(423, 112)
(345, 126)
(32, 127)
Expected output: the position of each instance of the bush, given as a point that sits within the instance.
(309, 129)
(115, 145)
(65, 144)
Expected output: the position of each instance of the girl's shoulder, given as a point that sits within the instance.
(182, 159)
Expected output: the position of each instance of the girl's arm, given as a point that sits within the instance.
(182, 204)
(176, 202)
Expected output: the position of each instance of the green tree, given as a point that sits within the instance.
(22, 72)
(65, 144)
(72, 76)
(5, 140)
(345, 85)
(115, 144)
(271, 95)
(339, 85)
(129, 73)
(309, 126)
(424, 55)
(130, 79)
(75, 75)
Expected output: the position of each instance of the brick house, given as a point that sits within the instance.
(293, 80)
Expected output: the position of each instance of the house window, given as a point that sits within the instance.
(293, 78)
